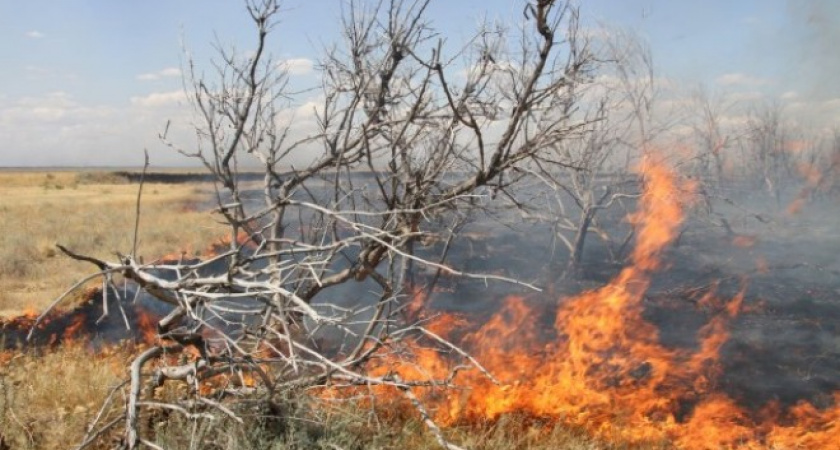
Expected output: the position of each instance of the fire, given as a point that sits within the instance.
(147, 326)
(744, 241)
(75, 326)
(600, 365)
(591, 362)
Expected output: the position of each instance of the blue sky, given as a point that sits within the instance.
(91, 82)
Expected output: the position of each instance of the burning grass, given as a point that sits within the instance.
(92, 213)
(577, 372)
(48, 398)
(601, 365)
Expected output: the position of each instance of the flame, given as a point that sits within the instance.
(744, 241)
(147, 326)
(815, 178)
(591, 362)
(72, 331)
(600, 365)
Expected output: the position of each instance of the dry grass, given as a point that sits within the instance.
(93, 214)
(47, 401)
(346, 430)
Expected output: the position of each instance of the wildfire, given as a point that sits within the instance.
(84, 324)
(600, 365)
(591, 362)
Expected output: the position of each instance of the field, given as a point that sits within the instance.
(91, 213)
(48, 397)
(759, 295)
(46, 400)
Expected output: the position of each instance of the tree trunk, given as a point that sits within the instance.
(576, 255)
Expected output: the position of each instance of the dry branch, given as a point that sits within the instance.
(401, 147)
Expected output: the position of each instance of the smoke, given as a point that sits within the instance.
(815, 62)
(806, 46)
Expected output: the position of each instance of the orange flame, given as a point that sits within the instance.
(601, 367)
(72, 330)
(147, 326)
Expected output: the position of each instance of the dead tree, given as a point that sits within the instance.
(592, 170)
(320, 250)
(711, 139)
(586, 184)
(766, 140)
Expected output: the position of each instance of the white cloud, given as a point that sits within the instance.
(34, 34)
(48, 110)
(158, 99)
(297, 66)
(745, 96)
(58, 129)
(735, 79)
(833, 103)
(733, 121)
(168, 72)
(789, 95)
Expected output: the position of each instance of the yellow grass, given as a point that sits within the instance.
(91, 214)
(47, 401)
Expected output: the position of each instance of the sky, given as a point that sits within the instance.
(92, 82)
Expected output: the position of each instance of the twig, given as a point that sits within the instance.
(427, 418)
(131, 436)
(139, 195)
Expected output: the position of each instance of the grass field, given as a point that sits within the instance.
(47, 399)
(91, 213)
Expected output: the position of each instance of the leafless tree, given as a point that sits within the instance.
(407, 137)
(711, 139)
(827, 178)
(766, 137)
(592, 170)
(816, 157)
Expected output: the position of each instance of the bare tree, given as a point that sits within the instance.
(591, 171)
(321, 248)
(712, 140)
(766, 139)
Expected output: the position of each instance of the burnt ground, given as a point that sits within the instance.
(784, 346)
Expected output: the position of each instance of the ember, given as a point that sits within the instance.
(84, 323)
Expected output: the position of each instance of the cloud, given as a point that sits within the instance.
(158, 99)
(746, 96)
(59, 129)
(297, 66)
(733, 121)
(168, 72)
(789, 95)
(34, 34)
(49, 109)
(741, 79)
